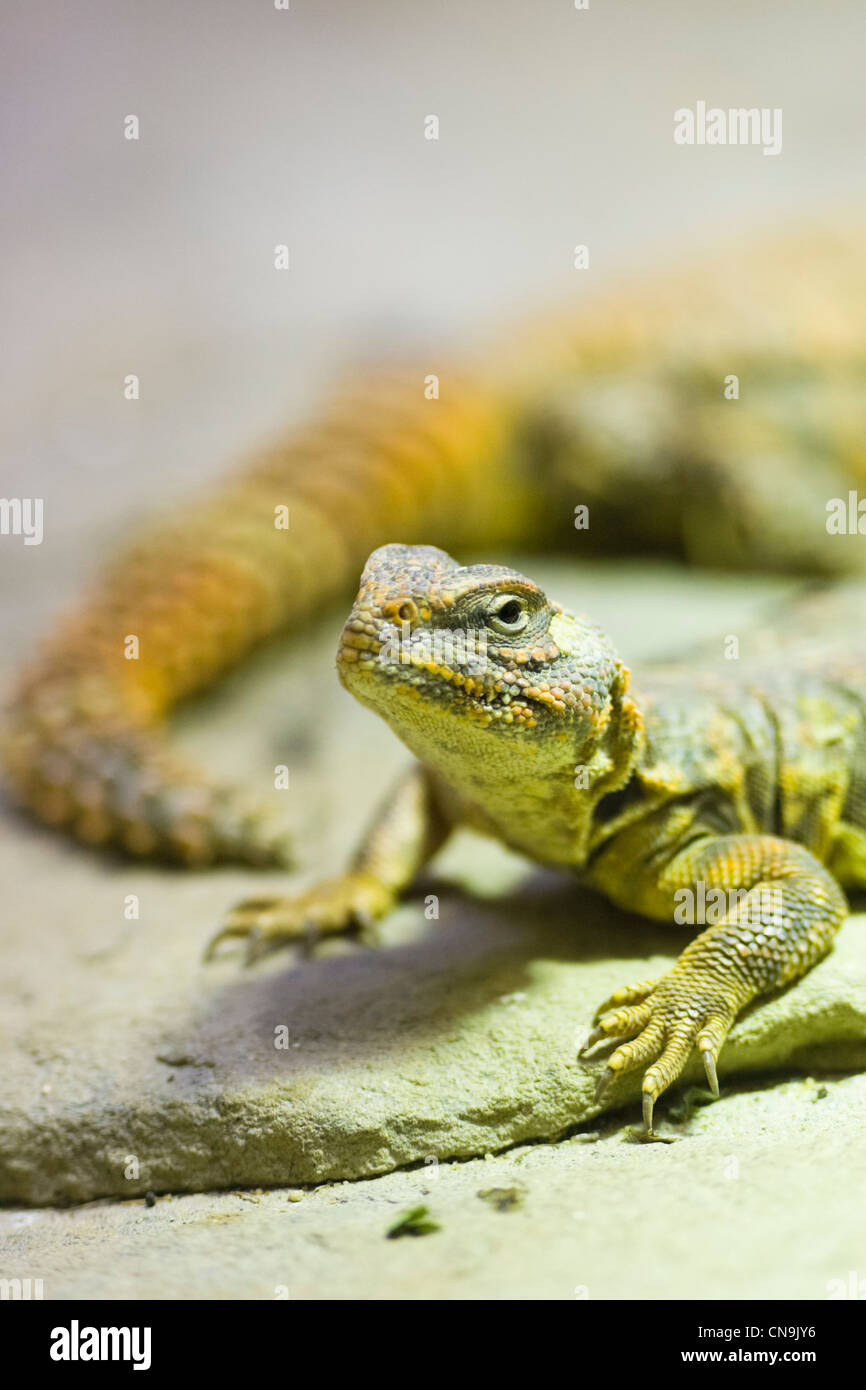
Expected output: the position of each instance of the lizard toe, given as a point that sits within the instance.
(709, 1043)
(675, 1018)
(698, 1022)
(339, 905)
(665, 1070)
(629, 994)
(644, 1048)
(618, 1023)
(225, 933)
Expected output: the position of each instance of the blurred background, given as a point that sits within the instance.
(306, 127)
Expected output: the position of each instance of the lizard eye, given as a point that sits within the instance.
(508, 616)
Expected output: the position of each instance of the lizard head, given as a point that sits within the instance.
(462, 661)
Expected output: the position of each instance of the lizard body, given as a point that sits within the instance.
(619, 407)
(744, 790)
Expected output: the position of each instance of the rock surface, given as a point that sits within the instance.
(760, 1200)
(449, 1049)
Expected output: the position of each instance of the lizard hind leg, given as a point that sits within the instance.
(782, 919)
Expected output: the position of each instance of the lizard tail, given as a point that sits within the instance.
(83, 746)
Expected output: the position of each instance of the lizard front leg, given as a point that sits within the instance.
(406, 832)
(780, 920)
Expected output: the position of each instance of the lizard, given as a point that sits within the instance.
(740, 798)
(617, 407)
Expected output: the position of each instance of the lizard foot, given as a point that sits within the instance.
(664, 1021)
(354, 901)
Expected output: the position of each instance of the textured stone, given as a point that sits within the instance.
(760, 1201)
(452, 1046)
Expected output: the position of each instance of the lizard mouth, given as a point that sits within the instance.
(436, 662)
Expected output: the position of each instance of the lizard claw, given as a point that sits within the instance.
(604, 1081)
(709, 1062)
(594, 1036)
(664, 1024)
(265, 924)
(369, 933)
(225, 933)
(257, 945)
(253, 947)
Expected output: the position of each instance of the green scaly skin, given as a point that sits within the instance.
(525, 727)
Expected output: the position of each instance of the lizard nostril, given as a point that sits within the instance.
(404, 609)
